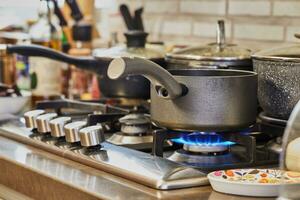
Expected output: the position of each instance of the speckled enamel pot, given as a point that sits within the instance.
(278, 84)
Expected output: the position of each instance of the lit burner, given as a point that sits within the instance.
(202, 142)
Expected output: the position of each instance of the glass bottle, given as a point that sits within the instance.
(290, 157)
(45, 73)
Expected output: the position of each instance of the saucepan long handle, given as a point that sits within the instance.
(88, 63)
(165, 84)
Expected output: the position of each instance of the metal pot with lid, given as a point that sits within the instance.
(214, 55)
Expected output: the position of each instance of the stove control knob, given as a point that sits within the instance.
(91, 135)
(57, 126)
(72, 131)
(42, 122)
(30, 118)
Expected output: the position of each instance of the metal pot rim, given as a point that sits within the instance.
(175, 57)
(275, 58)
(239, 73)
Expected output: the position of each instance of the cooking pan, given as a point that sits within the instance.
(278, 72)
(135, 87)
(195, 99)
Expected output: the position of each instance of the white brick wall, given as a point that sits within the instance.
(258, 31)
(159, 6)
(286, 8)
(290, 32)
(212, 7)
(131, 3)
(249, 7)
(177, 28)
(248, 21)
(153, 25)
(208, 29)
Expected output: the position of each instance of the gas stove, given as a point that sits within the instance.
(122, 140)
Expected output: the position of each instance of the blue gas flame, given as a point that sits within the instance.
(203, 139)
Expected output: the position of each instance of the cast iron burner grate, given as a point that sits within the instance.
(276, 127)
(106, 115)
(272, 125)
(66, 107)
(247, 150)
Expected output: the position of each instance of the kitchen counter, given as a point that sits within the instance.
(41, 175)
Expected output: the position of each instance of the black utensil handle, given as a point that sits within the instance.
(165, 84)
(127, 17)
(58, 13)
(75, 11)
(138, 19)
(87, 63)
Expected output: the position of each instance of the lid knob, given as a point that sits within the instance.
(136, 38)
(221, 33)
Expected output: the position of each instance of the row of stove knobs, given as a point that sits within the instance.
(76, 131)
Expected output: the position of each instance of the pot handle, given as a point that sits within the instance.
(87, 63)
(165, 84)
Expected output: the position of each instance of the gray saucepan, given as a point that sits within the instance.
(195, 99)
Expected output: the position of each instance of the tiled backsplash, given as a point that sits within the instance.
(249, 22)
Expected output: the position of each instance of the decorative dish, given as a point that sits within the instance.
(252, 182)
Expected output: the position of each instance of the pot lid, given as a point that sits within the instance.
(135, 47)
(212, 52)
(285, 53)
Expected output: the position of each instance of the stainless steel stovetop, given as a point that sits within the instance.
(137, 154)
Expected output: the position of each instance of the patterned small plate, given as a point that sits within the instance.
(252, 182)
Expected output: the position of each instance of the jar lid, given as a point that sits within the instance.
(135, 47)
